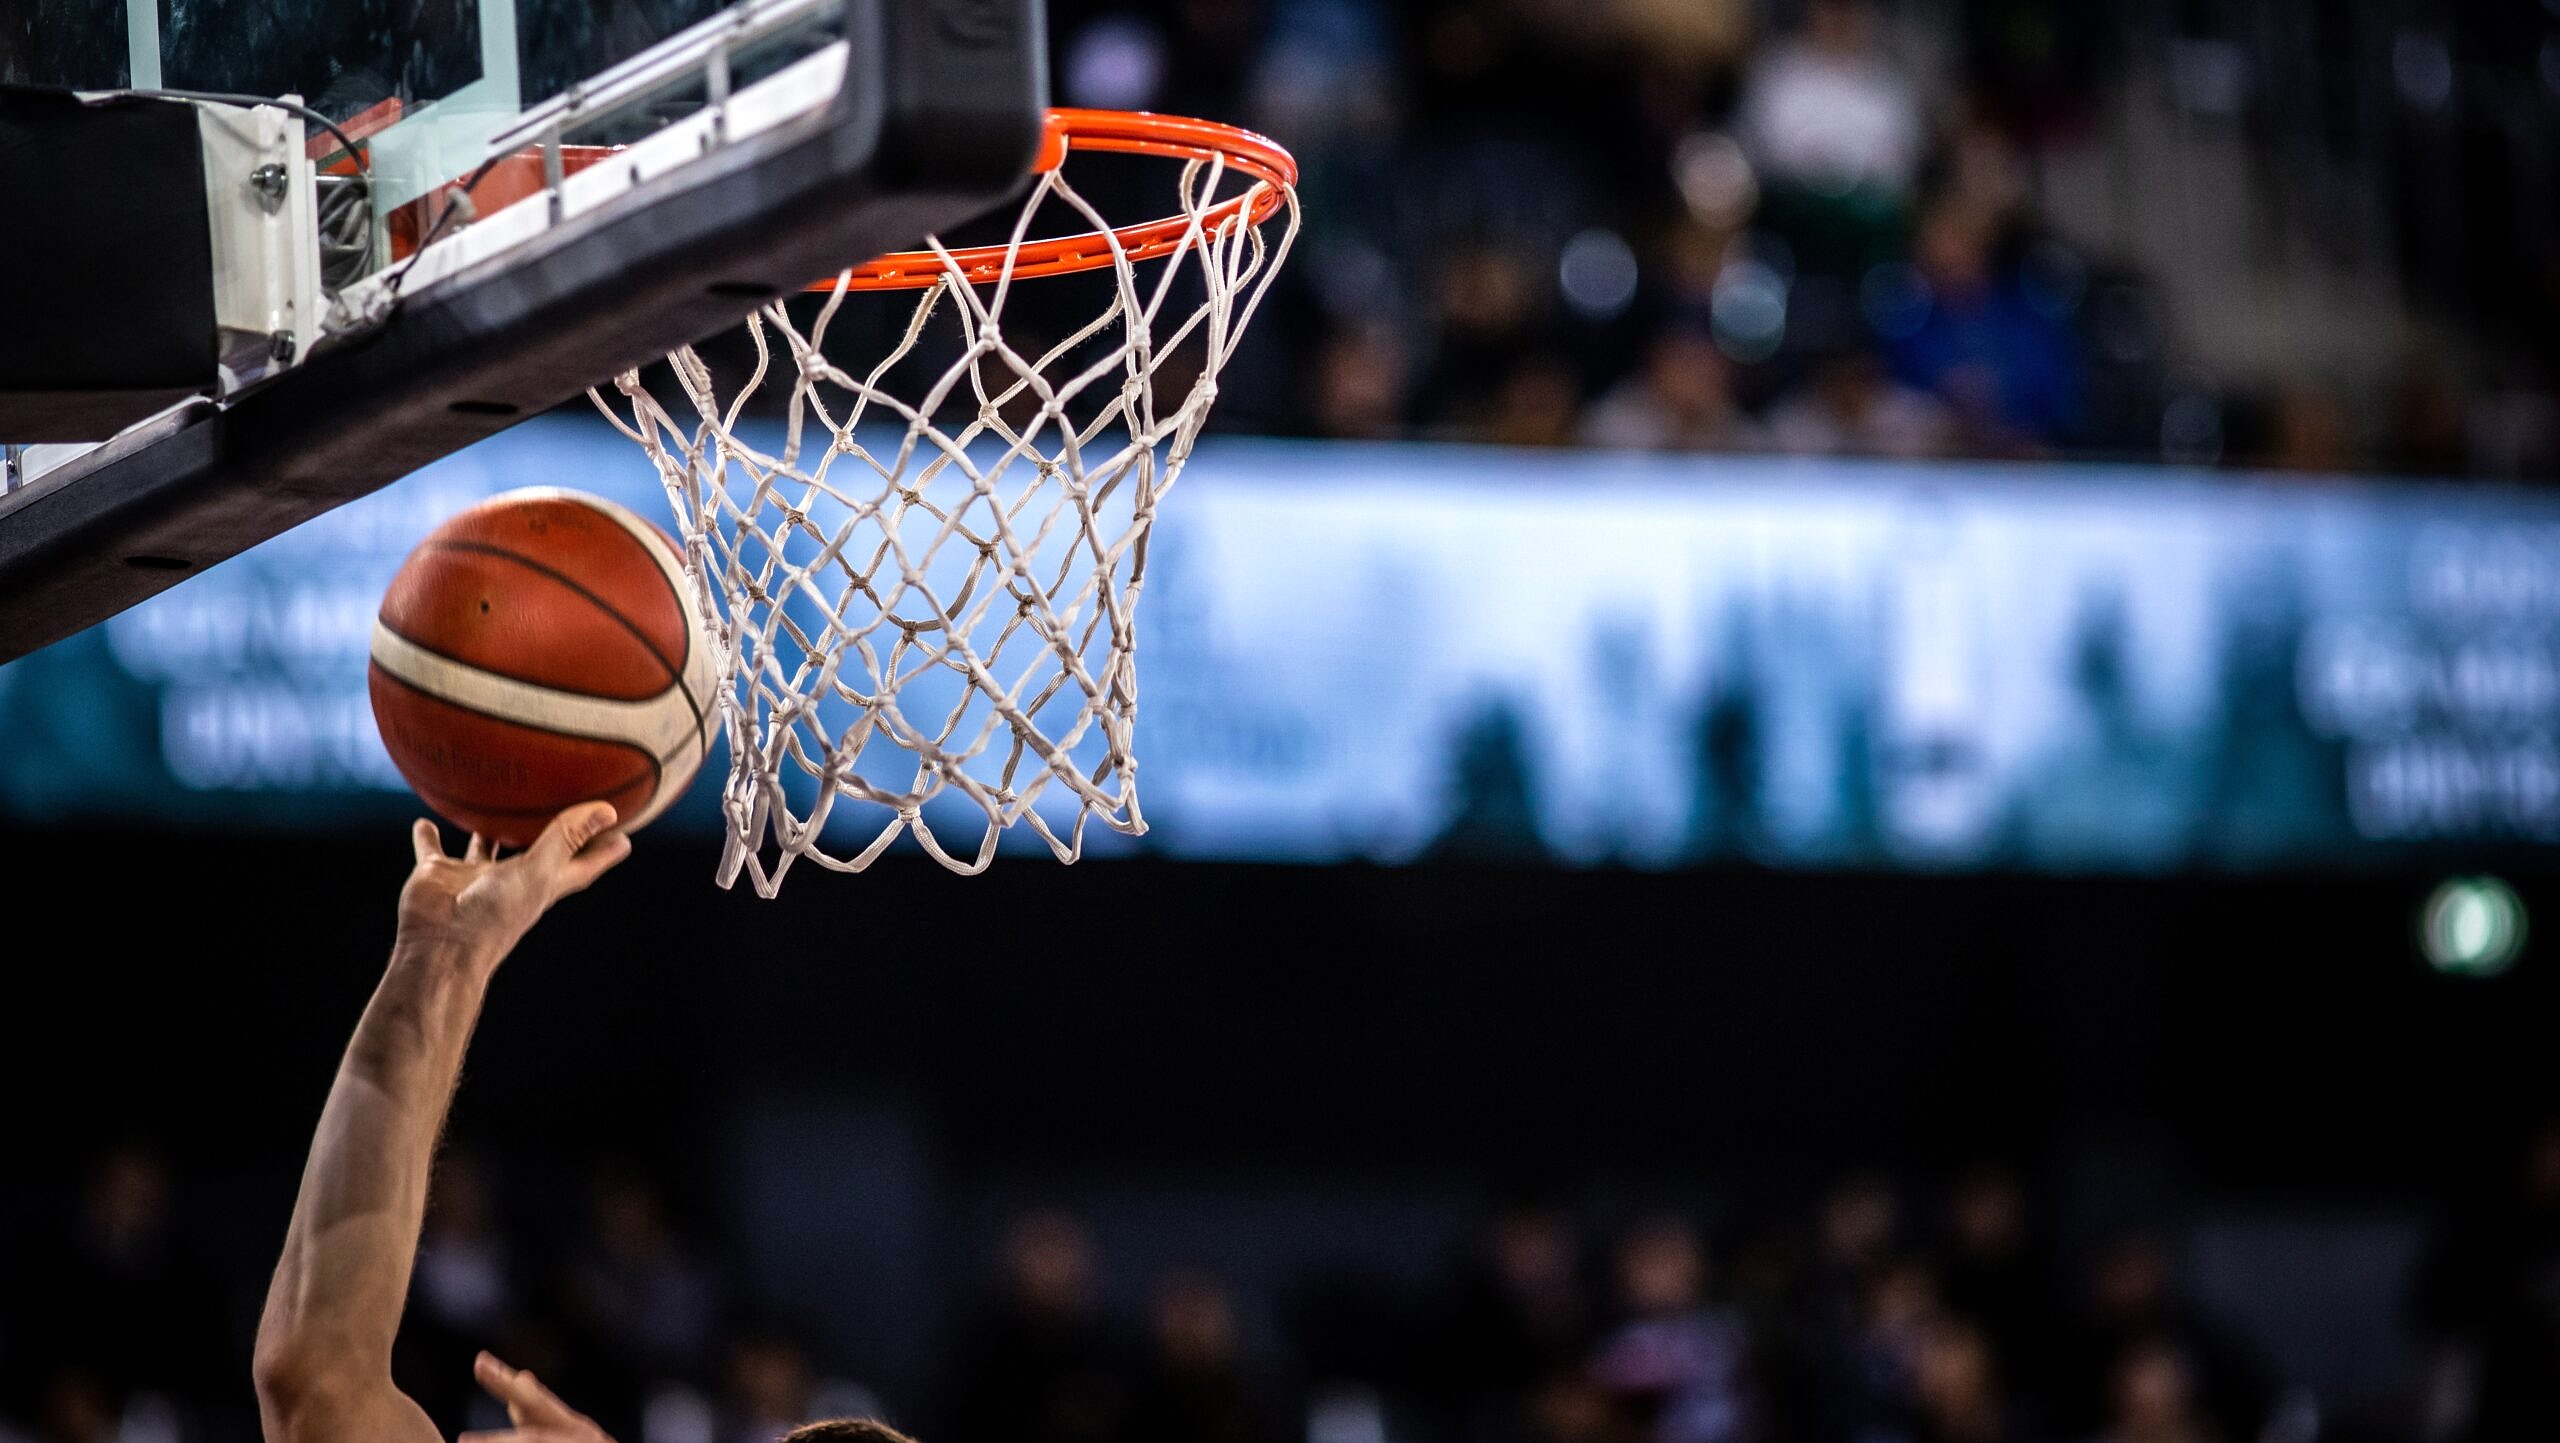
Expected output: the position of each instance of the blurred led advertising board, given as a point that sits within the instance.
(1392, 653)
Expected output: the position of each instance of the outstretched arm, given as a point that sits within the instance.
(323, 1365)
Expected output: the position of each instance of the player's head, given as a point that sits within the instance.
(845, 1430)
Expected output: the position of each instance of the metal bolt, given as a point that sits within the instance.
(272, 182)
(280, 346)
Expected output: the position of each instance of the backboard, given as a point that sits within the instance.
(677, 162)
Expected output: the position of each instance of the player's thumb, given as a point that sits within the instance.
(569, 833)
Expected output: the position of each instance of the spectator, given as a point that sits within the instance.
(1986, 173)
(1681, 399)
(2310, 431)
(126, 1309)
(1878, 1391)
(462, 1294)
(1828, 111)
(1360, 387)
(769, 1387)
(646, 1301)
(2152, 1398)
(1688, 35)
(1538, 406)
(1974, 337)
(1520, 1312)
(2430, 418)
(1990, 1277)
(1196, 1389)
(1855, 1237)
(1836, 130)
(1956, 1389)
(1677, 1363)
(76, 1405)
(464, 1280)
(2135, 1305)
(1852, 408)
(1572, 1407)
(1486, 304)
(2489, 1298)
(1040, 1365)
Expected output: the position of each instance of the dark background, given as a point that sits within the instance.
(1314, 1085)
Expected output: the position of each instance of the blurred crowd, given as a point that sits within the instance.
(1809, 227)
(1874, 1313)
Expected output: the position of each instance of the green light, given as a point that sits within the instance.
(2472, 927)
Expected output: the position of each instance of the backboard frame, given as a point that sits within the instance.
(938, 117)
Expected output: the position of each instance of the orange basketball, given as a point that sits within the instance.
(539, 650)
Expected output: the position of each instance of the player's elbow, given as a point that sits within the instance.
(281, 1370)
(291, 1372)
(300, 1390)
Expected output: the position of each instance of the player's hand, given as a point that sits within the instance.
(484, 905)
(537, 1413)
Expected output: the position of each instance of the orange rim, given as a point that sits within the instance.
(1123, 132)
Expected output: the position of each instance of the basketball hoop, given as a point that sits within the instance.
(932, 604)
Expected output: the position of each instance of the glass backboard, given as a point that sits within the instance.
(429, 82)
(755, 145)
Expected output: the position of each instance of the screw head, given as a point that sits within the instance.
(271, 181)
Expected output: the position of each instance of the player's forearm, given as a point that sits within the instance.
(338, 1292)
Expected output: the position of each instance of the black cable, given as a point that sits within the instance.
(470, 183)
(347, 249)
(346, 231)
(435, 228)
(252, 102)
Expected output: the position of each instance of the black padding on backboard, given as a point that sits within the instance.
(955, 103)
(106, 263)
(954, 90)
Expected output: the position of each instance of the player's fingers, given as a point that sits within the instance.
(528, 1402)
(426, 841)
(492, 1373)
(480, 850)
(599, 858)
(571, 831)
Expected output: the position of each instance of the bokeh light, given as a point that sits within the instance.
(2472, 927)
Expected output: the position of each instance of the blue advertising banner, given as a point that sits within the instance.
(1395, 652)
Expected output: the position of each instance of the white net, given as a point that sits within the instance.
(924, 575)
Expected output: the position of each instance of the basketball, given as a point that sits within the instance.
(539, 650)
